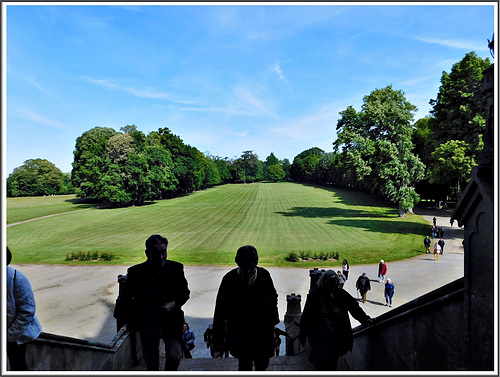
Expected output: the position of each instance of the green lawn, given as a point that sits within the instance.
(21, 209)
(207, 227)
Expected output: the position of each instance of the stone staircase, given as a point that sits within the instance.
(277, 363)
(230, 364)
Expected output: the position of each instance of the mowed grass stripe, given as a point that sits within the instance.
(207, 227)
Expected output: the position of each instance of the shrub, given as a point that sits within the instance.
(107, 256)
(88, 255)
(292, 257)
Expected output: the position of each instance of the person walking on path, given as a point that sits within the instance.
(441, 244)
(247, 302)
(437, 251)
(325, 321)
(434, 220)
(363, 286)
(22, 323)
(389, 292)
(154, 294)
(427, 244)
(382, 271)
(345, 269)
(188, 338)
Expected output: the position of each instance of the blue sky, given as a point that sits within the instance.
(225, 78)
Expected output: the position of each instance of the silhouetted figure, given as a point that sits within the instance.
(248, 301)
(153, 297)
(22, 323)
(325, 321)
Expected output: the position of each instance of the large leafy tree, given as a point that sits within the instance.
(459, 109)
(452, 166)
(276, 173)
(304, 164)
(377, 149)
(253, 168)
(90, 161)
(36, 177)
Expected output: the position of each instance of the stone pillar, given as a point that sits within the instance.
(292, 321)
(475, 211)
(315, 274)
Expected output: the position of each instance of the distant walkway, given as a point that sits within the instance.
(44, 217)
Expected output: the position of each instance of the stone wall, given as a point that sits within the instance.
(51, 352)
(426, 334)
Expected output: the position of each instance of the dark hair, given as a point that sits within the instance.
(9, 256)
(246, 254)
(154, 239)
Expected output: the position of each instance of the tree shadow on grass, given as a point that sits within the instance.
(82, 203)
(384, 226)
(319, 212)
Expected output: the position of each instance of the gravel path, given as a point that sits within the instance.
(78, 301)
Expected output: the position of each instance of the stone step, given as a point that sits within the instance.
(277, 363)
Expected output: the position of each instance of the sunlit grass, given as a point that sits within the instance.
(207, 227)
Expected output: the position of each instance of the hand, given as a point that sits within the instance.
(169, 306)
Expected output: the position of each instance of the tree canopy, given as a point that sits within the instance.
(36, 177)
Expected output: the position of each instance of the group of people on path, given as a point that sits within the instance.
(436, 232)
(363, 284)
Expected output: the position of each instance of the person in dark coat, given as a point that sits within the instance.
(363, 286)
(153, 296)
(325, 321)
(441, 243)
(427, 244)
(248, 301)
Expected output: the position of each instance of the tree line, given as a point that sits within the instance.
(379, 149)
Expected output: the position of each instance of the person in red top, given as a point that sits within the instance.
(382, 271)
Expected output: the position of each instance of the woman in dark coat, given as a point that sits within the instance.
(248, 303)
(325, 321)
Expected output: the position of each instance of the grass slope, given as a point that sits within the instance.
(207, 227)
(25, 208)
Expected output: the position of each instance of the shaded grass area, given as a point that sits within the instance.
(207, 227)
(26, 208)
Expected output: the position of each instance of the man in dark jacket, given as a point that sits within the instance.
(325, 321)
(248, 303)
(363, 286)
(153, 296)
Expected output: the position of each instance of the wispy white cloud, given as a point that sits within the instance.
(456, 43)
(223, 110)
(314, 126)
(247, 101)
(28, 115)
(277, 69)
(138, 92)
